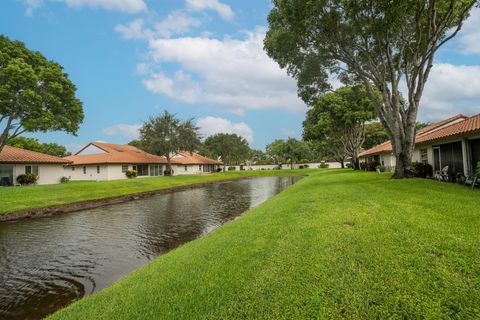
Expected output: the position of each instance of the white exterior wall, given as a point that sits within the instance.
(91, 173)
(114, 172)
(191, 169)
(47, 173)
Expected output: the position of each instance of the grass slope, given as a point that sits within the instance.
(33, 197)
(338, 244)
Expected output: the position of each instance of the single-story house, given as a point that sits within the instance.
(107, 161)
(192, 163)
(16, 161)
(453, 142)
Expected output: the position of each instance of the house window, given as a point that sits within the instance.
(423, 156)
(73, 168)
(186, 168)
(142, 170)
(31, 169)
(200, 167)
(124, 168)
(84, 170)
(134, 168)
(98, 169)
(155, 170)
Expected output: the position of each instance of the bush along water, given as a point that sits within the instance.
(27, 179)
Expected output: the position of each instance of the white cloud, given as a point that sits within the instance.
(212, 125)
(236, 75)
(128, 6)
(451, 89)
(134, 30)
(469, 36)
(177, 22)
(222, 9)
(31, 5)
(130, 131)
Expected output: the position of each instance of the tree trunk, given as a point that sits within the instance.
(355, 163)
(403, 166)
(169, 166)
(342, 163)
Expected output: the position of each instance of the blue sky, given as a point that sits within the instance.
(198, 58)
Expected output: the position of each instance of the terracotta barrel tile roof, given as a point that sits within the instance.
(186, 157)
(115, 154)
(16, 155)
(381, 148)
(469, 125)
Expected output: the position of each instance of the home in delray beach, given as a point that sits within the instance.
(107, 161)
(15, 162)
(453, 143)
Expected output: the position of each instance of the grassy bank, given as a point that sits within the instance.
(33, 197)
(338, 244)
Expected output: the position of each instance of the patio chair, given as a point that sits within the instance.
(473, 181)
(442, 175)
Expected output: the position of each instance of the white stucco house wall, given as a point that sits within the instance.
(16, 161)
(106, 161)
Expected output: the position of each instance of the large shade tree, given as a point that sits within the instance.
(33, 144)
(341, 116)
(165, 135)
(35, 94)
(230, 147)
(290, 150)
(383, 44)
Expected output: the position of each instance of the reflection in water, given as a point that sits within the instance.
(47, 263)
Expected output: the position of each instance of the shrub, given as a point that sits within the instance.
(369, 166)
(64, 180)
(422, 170)
(168, 172)
(349, 165)
(219, 169)
(27, 178)
(231, 168)
(306, 166)
(300, 166)
(324, 166)
(131, 174)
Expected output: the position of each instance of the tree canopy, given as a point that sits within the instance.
(165, 135)
(32, 144)
(230, 147)
(35, 94)
(381, 44)
(290, 150)
(340, 117)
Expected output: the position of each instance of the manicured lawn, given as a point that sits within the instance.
(338, 244)
(32, 197)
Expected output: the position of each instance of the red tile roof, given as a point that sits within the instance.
(126, 154)
(467, 126)
(454, 126)
(186, 157)
(115, 154)
(13, 155)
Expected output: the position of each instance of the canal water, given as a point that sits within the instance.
(46, 263)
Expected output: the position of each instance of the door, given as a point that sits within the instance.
(6, 175)
(436, 159)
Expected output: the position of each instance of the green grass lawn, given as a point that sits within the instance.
(33, 197)
(338, 244)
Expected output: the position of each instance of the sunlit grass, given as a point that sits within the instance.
(338, 244)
